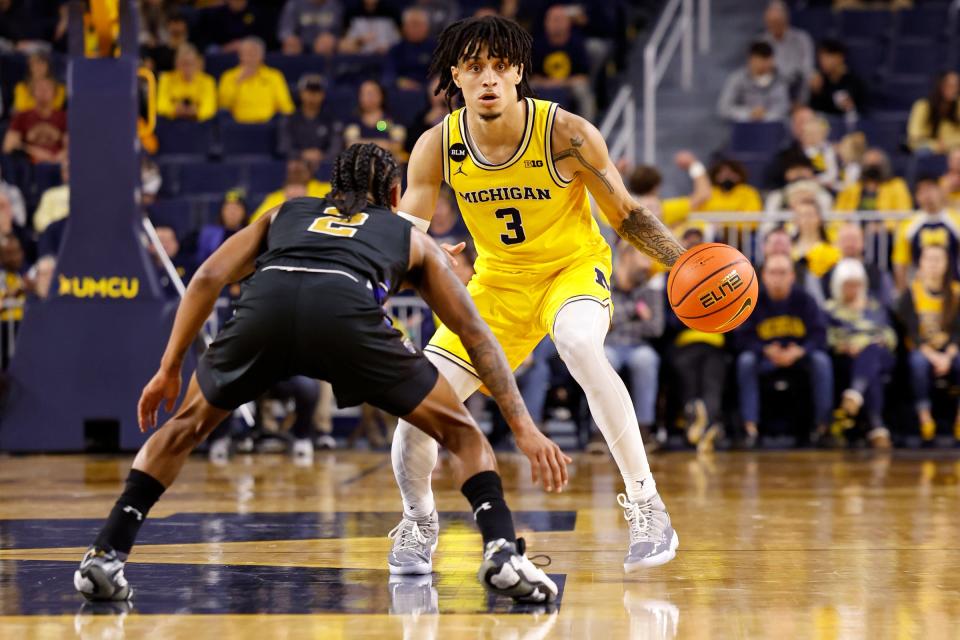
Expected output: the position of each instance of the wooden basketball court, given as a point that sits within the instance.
(772, 545)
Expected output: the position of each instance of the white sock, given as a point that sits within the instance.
(414, 453)
(578, 332)
(414, 456)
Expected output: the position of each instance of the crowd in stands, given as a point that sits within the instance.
(254, 98)
(856, 334)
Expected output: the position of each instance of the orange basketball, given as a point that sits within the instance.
(712, 288)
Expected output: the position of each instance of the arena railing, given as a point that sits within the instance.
(745, 231)
(674, 27)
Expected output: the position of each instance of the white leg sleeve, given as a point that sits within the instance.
(579, 331)
(414, 453)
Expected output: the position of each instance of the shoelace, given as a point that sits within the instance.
(640, 519)
(539, 560)
(410, 535)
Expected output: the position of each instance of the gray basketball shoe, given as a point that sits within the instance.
(507, 571)
(100, 576)
(653, 541)
(414, 542)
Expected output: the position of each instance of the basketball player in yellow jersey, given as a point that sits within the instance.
(521, 169)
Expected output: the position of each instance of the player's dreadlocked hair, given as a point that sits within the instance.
(359, 170)
(465, 38)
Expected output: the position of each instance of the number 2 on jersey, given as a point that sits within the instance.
(336, 225)
(514, 225)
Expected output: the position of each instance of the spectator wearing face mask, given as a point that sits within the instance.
(800, 183)
(731, 193)
(755, 93)
(862, 341)
(877, 188)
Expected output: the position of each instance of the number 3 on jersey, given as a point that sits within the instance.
(337, 225)
(514, 225)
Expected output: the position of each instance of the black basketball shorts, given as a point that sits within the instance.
(320, 325)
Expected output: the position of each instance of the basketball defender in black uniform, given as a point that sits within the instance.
(312, 305)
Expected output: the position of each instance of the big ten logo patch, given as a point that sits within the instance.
(730, 283)
(531, 164)
(87, 287)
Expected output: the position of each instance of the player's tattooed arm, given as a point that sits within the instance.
(583, 153)
(573, 151)
(646, 232)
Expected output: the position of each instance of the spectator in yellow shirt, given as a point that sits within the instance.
(299, 183)
(187, 93)
(934, 122)
(730, 193)
(38, 66)
(877, 189)
(253, 92)
(645, 181)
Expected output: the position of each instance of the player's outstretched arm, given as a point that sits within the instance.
(424, 176)
(440, 288)
(233, 261)
(579, 149)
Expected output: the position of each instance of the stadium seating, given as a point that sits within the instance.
(899, 94)
(292, 67)
(918, 58)
(757, 137)
(405, 105)
(853, 25)
(924, 21)
(353, 70)
(865, 58)
(247, 139)
(184, 137)
(265, 175)
(207, 178)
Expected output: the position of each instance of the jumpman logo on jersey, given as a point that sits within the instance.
(460, 171)
(484, 507)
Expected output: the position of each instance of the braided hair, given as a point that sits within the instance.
(464, 39)
(362, 170)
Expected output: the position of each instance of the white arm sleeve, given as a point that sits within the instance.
(419, 223)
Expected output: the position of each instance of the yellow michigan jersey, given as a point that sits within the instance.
(538, 246)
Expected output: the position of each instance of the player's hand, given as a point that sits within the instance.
(452, 251)
(163, 387)
(548, 464)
